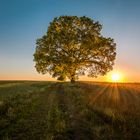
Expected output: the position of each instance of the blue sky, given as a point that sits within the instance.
(23, 21)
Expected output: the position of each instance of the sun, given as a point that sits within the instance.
(115, 77)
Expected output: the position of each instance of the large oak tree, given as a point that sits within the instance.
(74, 46)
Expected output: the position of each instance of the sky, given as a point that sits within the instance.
(23, 21)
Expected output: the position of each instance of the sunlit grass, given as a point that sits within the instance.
(84, 110)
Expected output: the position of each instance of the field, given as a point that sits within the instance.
(64, 111)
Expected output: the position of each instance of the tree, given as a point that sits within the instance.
(74, 46)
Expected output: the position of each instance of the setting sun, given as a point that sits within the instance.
(115, 77)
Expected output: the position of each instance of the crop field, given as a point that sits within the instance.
(64, 111)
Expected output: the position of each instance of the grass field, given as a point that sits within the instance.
(65, 111)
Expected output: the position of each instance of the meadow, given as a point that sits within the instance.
(32, 110)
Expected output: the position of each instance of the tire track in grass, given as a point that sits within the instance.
(57, 116)
(34, 126)
(75, 106)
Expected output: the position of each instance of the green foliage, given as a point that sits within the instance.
(74, 46)
(62, 77)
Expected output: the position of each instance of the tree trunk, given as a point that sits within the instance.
(72, 80)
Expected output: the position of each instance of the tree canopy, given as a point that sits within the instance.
(74, 46)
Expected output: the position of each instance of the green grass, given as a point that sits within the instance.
(65, 111)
